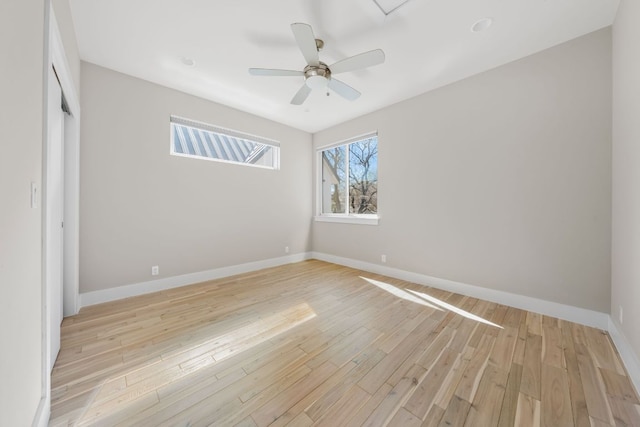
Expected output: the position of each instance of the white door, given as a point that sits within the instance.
(54, 186)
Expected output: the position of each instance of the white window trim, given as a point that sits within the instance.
(349, 219)
(367, 219)
(229, 162)
(225, 131)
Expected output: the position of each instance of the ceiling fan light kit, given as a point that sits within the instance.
(317, 77)
(317, 74)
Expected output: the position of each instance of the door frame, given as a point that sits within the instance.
(58, 60)
(55, 56)
(53, 210)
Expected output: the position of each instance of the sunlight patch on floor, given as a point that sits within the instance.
(453, 308)
(427, 300)
(117, 394)
(399, 293)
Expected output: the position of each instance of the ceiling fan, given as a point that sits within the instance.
(317, 74)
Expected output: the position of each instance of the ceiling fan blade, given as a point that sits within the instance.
(357, 62)
(306, 42)
(343, 89)
(272, 72)
(302, 95)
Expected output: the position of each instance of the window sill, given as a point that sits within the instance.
(349, 219)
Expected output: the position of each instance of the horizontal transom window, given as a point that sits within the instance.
(199, 140)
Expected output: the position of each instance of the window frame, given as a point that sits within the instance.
(348, 218)
(231, 133)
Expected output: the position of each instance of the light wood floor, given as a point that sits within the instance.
(318, 344)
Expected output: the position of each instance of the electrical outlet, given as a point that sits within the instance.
(155, 270)
(620, 315)
(383, 258)
(286, 249)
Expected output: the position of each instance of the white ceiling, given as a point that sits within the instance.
(428, 44)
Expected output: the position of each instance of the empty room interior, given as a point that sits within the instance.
(365, 213)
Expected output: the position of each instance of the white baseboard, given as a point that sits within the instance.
(43, 412)
(583, 316)
(562, 311)
(628, 356)
(135, 289)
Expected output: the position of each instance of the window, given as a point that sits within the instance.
(348, 187)
(202, 141)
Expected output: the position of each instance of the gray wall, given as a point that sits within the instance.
(625, 289)
(21, 117)
(502, 180)
(140, 206)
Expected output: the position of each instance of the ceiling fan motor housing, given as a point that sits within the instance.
(317, 76)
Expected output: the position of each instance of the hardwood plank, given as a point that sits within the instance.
(618, 386)
(330, 383)
(433, 417)
(405, 418)
(624, 413)
(302, 420)
(439, 344)
(528, 411)
(395, 398)
(534, 323)
(227, 397)
(248, 422)
(531, 368)
(367, 409)
(602, 351)
(364, 365)
(205, 413)
(552, 352)
(352, 345)
(550, 321)
(511, 395)
(485, 408)
(456, 413)
(110, 418)
(405, 328)
(484, 310)
(594, 390)
(555, 407)
(387, 366)
(576, 391)
(518, 352)
(171, 405)
(594, 422)
(514, 318)
(464, 331)
(278, 405)
(502, 352)
(345, 408)
(468, 385)
(497, 317)
(452, 380)
(425, 393)
(425, 353)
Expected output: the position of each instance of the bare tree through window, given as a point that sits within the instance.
(350, 178)
(363, 176)
(334, 159)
